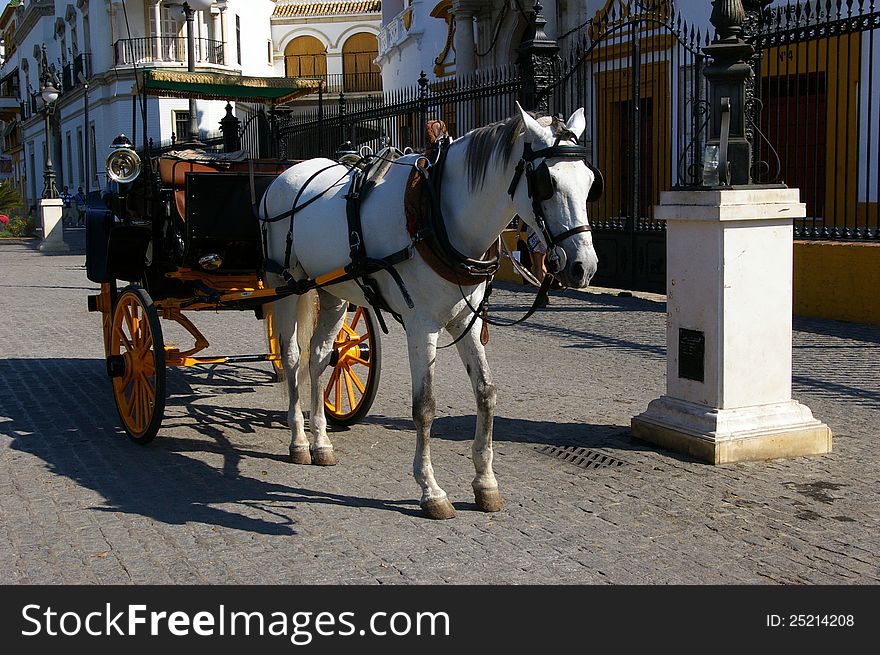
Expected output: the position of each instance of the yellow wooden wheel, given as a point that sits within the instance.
(356, 361)
(136, 363)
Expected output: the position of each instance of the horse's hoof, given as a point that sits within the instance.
(323, 457)
(488, 500)
(300, 455)
(438, 508)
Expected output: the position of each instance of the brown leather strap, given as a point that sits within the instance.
(559, 238)
(417, 205)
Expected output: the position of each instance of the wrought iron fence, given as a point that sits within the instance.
(651, 145)
(820, 111)
(399, 116)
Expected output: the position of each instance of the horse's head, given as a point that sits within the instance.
(551, 187)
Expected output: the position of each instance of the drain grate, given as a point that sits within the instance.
(582, 457)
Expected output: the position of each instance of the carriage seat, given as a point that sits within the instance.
(174, 165)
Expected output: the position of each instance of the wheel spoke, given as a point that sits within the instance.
(357, 317)
(331, 385)
(135, 414)
(355, 379)
(351, 402)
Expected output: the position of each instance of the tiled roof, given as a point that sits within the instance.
(296, 9)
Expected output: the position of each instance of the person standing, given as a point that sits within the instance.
(80, 200)
(66, 217)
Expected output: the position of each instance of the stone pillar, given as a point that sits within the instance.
(728, 330)
(158, 53)
(217, 29)
(465, 53)
(53, 228)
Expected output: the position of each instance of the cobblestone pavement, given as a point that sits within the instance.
(213, 499)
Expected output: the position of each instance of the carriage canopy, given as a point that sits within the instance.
(219, 86)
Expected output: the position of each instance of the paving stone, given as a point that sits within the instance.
(213, 499)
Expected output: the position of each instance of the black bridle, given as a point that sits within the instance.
(541, 187)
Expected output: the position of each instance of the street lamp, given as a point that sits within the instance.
(189, 8)
(49, 92)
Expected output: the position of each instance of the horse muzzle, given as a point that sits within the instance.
(578, 273)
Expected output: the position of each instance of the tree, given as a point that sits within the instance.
(10, 198)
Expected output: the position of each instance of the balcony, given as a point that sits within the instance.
(398, 30)
(82, 63)
(165, 49)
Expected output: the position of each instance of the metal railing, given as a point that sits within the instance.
(819, 113)
(399, 116)
(348, 82)
(128, 52)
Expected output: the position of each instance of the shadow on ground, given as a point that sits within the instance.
(62, 411)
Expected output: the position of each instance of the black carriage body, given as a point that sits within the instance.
(221, 219)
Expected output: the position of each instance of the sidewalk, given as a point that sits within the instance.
(213, 499)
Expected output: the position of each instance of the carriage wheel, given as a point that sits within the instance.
(137, 364)
(354, 380)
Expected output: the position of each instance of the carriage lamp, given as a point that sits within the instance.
(123, 163)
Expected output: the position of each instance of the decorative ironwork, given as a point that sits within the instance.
(819, 126)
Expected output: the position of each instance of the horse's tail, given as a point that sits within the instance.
(306, 318)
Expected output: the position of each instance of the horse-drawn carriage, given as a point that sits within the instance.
(316, 242)
(181, 231)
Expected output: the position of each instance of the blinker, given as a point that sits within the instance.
(598, 186)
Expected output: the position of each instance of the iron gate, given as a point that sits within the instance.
(638, 75)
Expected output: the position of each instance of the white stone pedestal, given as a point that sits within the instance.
(53, 228)
(728, 330)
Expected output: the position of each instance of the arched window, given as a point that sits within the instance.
(359, 71)
(305, 56)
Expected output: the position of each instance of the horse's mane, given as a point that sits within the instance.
(495, 140)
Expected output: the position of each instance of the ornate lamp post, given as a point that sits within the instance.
(49, 84)
(536, 56)
(189, 8)
(729, 74)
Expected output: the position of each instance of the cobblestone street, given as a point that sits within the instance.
(214, 500)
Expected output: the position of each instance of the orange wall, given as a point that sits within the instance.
(837, 280)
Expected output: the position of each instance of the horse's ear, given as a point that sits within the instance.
(533, 128)
(577, 123)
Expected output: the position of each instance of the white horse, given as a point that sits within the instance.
(476, 207)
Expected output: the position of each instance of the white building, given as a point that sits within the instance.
(330, 39)
(106, 41)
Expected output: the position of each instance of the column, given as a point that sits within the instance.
(53, 229)
(217, 35)
(728, 329)
(157, 34)
(465, 56)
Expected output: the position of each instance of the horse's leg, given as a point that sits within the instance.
(422, 345)
(473, 355)
(329, 323)
(286, 322)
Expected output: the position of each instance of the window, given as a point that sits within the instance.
(81, 155)
(181, 125)
(359, 71)
(238, 36)
(170, 33)
(305, 56)
(93, 151)
(33, 172)
(269, 51)
(69, 179)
